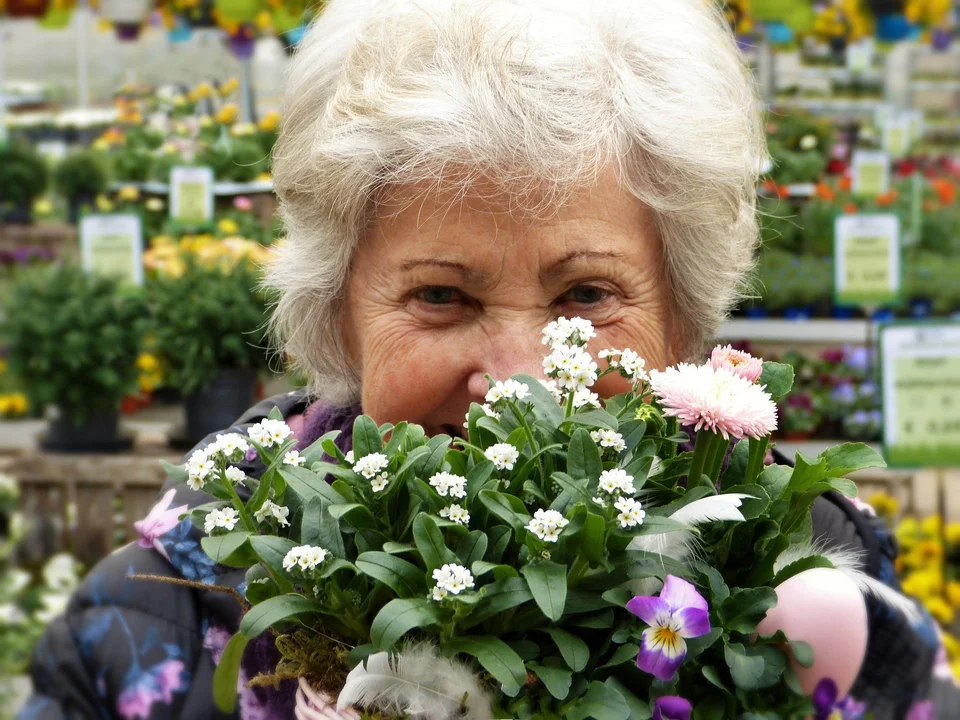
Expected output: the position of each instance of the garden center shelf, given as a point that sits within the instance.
(830, 105)
(219, 188)
(796, 331)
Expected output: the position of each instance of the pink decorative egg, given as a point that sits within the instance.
(824, 608)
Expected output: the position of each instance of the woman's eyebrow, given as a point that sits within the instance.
(558, 267)
(469, 275)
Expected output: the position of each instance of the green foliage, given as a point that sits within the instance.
(236, 159)
(207, 319)
(74, 339)
(132, 164)
(23, 175)
(85, 172)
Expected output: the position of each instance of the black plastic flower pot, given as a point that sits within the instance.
(98, 433)
(218, 404)
(77, 203)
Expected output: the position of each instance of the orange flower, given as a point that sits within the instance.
(928, 206)
(769, 185)
(888, 198)
(825, 192)
(946, 190)
(783, 192)
(850, 208)
(845, 183)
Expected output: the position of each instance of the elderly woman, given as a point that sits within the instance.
(453, 175)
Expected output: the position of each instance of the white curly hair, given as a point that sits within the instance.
(533, 98)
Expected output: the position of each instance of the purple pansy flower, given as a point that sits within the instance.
(161, 520)
(828, 705)
(680, 612)
(671, 707)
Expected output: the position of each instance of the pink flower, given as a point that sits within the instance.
(715, 399)
(156, 685)
(161, 520)
(243, 203)
(738, 362)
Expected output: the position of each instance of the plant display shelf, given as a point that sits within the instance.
(59, 240)
(219, 188)
(792, 332)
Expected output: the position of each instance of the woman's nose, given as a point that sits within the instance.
(507, 355)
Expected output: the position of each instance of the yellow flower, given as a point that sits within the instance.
(264, 177)
(155, 204)
(147, 363)
(264, 20)
(270, 122)
(103, 204)
(241, 129)
(907, 531)
(228, 226)
(932, 525)
(18, 403)
(130, 193)
(229, 87)
(101, 145)
(885, 504)
(5, 405)
(922, 584)
(228, 114)
(203, 90)
(42, 207)
(952, 645)
(953, 593)
(955, 669)
(939, 608)
(952, 533)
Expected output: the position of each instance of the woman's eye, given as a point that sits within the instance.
(586, 295)
(438, 295)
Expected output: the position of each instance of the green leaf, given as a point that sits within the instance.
(496, 657)
(482, 567)
(268, 613)
(319, 527)
(227, 674)
(601, 703)
(577, 488)
(639, 710)
(177, 473)
(736, 466)
(624, 653)
(271, 550)
(746, 670)
(575, 651)
(307, 484)
(777, 378)
(543, 401)
(592, 536)
(395, 548)
(799, 566)
(508, 508)
(802, 652)
(497, 597)
(718, 588)
(583, 457)
(774, 479)
(744, 609)
(366, 437)
(399, 616)
(594, 419)
(429, 541)
(357, 516)
(548, 583)
(472, 548)
(275, 413)
(404, 578)
(431, 463)
(316, 451)
(397, 436)
(220, 548)
(699, 644)
(556, 680)
(841, 460)
(477, 478)
(713, 677)
(499, 536)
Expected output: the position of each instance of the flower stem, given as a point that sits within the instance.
(528, 431)
(701, 453)
(238, 503)
(718, 451)
(758, 452)
(568, 405)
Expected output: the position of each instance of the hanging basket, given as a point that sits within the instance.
(27, 8)
(238, 11)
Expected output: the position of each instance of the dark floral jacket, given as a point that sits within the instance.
(145, 650)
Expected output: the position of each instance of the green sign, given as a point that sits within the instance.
(866, 260)
(920, 366)
(113, 245)
(191, 195)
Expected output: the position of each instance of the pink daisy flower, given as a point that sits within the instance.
(715, 399)
(736, 361)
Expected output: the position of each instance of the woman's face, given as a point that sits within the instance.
(442, 293)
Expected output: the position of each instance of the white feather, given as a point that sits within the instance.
(850, 563)
(416, 683)
(712, 509)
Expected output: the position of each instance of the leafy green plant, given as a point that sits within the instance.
(73, 339)
(132, 164)
(208, 318)
(23, 175)
(237, 159)
(82, 173)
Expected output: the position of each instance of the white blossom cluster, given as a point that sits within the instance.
(225, 518)
(631, 512)
(269, 433)
(456, 514)
(616, 481)
(294, 458)
(507, 390)
(503, 455)
(572, 367)
(583, 398)
(575, 331)
(232, 446)
(305, 557)
(348, 457)
(449, 485)
(235, 475)
(609, 439)
(617, 485)
(270, 509)
(489, 411)
(199, 467)
(551, 385)
(451, 580)
(371, 465)
(547, 525)
(628, 362)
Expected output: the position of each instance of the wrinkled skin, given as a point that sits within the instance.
(443, 291)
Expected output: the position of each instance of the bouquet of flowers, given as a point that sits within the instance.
(568, 557)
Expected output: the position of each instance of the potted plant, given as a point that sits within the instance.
(209, 318)
(23, 178)
(80, 178)
(73, 341)
(800, 418)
